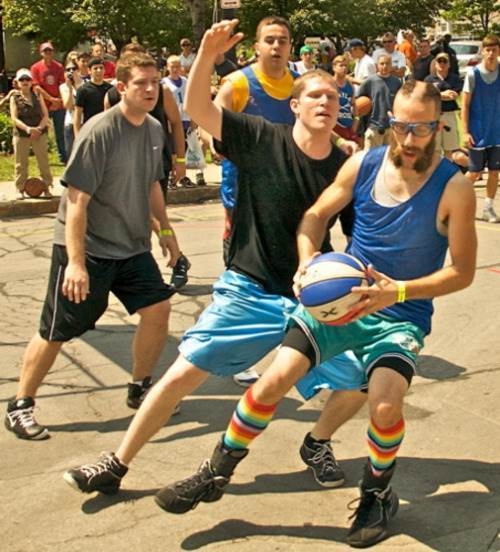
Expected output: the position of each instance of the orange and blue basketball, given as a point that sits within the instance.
(326, 287)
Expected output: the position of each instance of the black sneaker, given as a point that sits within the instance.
(180, 272)
(318, 455)
(136, 392)
(21, 422)
(377, 505)
(186, 182)
(200, 180)
(206, 485)
(104, 476)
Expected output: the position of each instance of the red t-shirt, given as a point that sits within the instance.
(109, 69)
(49, 77)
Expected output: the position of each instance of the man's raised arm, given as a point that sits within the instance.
(198, 103)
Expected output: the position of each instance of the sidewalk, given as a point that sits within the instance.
(10, 206)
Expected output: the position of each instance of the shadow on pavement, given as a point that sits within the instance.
(435, 509)
(100, 502)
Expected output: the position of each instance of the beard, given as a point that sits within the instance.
(424, 156)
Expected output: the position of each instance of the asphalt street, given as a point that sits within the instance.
(448, 477)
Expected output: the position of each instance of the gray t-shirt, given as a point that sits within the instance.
(115, 163)
(381, 91)
(489, 77)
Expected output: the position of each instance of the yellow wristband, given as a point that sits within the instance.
(401, 292)
(339, 141)
(166, 232)
(180, 160)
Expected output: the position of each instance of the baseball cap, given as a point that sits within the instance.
(306, 49)
(46, 46)
(23, 72)
(355, 42)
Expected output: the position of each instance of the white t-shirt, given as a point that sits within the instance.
(187, 61)
(398, 58)
(301, 68)
(470, 80)
(178, 89)
(364, 68)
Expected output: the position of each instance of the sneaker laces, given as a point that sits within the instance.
(104, 464)
(24, 416)
(325, 457)
(204, 477)
(362, 511)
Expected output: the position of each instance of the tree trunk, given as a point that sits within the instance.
(197, 9)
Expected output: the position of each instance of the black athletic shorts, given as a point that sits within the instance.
(136, 282)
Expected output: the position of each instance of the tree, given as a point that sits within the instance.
(66, 22)
(476, 16)
(43, 21)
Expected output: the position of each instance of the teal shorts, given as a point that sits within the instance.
(376, 341)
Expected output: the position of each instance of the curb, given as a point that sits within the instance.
(28, 207)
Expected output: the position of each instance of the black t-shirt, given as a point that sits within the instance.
(225, 68)
(90, 97)
(451, 82)
(277, 183)
(422, 67)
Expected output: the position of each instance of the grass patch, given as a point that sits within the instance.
(7, 166)
(7, 162)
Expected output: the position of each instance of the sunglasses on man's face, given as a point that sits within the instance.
(387, 41)
(417, 129)
(442, 60)
(24, 79)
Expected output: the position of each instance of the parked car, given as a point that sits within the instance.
(468, 54)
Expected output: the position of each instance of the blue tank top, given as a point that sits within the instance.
(400, 241)
(484, 116)
(260, 103)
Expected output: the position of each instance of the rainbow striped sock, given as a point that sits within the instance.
(249, 420)
(383, 445)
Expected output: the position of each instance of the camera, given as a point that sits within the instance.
(69, 73)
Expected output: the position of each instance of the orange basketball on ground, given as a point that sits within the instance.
(363, 105)
(34, 187)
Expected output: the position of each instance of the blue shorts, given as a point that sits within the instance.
(243, 324)
(479, 158)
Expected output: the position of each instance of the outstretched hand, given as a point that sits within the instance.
(381, 294)
(219, 38)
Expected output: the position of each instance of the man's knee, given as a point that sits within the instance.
(158, 312)
(386, 412)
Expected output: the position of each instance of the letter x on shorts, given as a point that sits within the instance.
(377, 341)
(243, 324)
(136, 281)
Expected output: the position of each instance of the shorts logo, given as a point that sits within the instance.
(406, 342)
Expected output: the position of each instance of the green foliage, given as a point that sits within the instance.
(149, 21)
(6, 133)
(476, 16)
(44, 21)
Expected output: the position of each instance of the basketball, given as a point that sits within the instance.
(34, 187)
(363, 106)
(326, 287)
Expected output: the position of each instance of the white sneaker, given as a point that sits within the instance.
(489, 214)
(247, 377)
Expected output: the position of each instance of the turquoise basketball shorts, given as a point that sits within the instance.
(243, 324)
(376, 341)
